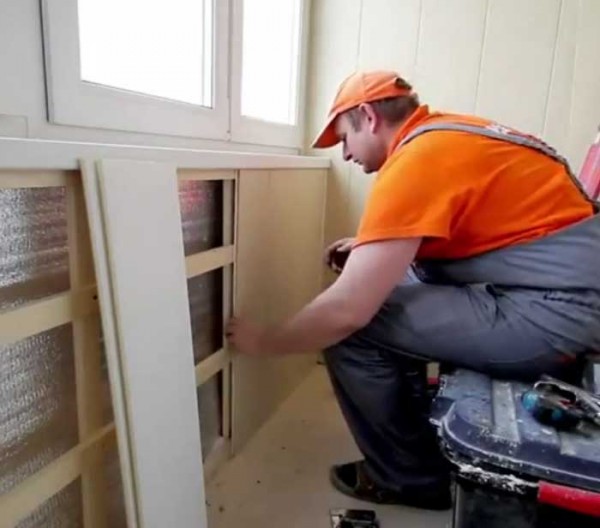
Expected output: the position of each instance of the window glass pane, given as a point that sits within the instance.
(270, 57)
(161, 48)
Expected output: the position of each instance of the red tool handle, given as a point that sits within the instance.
(581, 501)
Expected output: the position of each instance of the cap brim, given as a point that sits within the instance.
(327, 137)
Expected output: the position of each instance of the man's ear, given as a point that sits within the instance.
(371, 117)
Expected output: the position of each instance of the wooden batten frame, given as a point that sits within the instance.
(229, 229)
(23, 499)
(25, 179)
(205, 175)
(210, 366)
(88, 359)
(210, 260)
(50, 312)
(204, 262)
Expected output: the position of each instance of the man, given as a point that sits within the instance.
(504, 243)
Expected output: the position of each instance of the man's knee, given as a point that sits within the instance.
(343, 352)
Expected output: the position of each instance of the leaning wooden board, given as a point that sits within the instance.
(140, 224)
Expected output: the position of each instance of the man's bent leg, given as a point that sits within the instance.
(379, 377)
(383, 398)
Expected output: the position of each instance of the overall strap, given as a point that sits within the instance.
(502, 133)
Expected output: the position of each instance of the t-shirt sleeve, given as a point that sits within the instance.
(411, 197)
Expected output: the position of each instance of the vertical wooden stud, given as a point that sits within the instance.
(228, 239)
(87, 354)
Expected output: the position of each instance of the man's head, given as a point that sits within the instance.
(365, 115)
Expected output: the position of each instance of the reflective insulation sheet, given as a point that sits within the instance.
(209, 408)
(33, 244)
(38, 408)
(205, 294)
(201, 204)
(63, 510)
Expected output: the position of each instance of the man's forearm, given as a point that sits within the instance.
(324, 322)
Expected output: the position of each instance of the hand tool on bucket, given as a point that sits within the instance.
(561, 405)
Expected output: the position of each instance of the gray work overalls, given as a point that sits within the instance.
(515, 312)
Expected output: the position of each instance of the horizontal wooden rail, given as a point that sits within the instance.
(205, 175)
(23, 499)
(208, 367)
(208, 260)
(19, 179)
(39, 316)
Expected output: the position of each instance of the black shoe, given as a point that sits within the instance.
(352, 479)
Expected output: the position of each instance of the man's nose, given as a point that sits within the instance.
(347, 155)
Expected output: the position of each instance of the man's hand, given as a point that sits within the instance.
(344, 245)
(247, 337)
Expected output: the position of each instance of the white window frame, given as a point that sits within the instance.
(72, 101)
(251, 130)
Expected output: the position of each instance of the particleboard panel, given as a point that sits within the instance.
(516, 65)
(449, 53)
(253, 398)
(142, 224)
(278, 270)
(298, 203)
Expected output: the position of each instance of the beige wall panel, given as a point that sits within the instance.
(389, 32)
(358, 192)
(337, 213)
(333, 45)
(253, 396)
(298, 198)
(516, 66)
(449, 53)
(585, 105)
(280, 230)
(529, 64)
(558, 108)
(333, 49)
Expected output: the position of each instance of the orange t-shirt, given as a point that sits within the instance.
(466, 194)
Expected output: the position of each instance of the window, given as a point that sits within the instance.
(268, 70)
(138, 66)
(270, 60)
(165, 67)
(170, 56)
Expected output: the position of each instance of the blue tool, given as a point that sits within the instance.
(561, 405)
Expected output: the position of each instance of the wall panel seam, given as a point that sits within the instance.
(552, 69)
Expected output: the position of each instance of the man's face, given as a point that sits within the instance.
(363, 144)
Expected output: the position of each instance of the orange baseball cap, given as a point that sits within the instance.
(358, 88)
